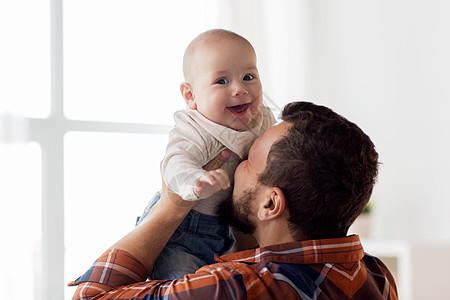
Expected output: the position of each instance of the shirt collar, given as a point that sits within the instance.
(336, 250)
(238, 141)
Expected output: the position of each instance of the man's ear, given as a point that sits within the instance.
(273, 206)
(188, 95)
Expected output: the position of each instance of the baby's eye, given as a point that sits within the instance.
(248, 77)
(222, 81)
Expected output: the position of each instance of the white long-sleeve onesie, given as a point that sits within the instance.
(195, 141)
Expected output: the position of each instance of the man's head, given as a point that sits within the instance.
(322, 167)
(222, 79)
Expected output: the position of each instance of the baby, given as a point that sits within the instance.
(224, 95)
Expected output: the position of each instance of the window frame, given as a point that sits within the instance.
(49, 134)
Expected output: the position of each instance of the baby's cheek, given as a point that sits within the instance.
(256, 107)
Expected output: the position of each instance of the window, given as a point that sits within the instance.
(25, 58)
(88, 93)
(123, 59)
(20, 220)
(109, 178)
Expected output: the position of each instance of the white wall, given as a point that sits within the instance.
(385, 65)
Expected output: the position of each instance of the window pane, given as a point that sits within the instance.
(123, 59)
(109, 178)
(25, 57)
(20, 221)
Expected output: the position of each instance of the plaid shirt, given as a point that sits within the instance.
(314, 269)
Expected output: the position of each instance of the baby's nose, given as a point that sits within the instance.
(239, 89)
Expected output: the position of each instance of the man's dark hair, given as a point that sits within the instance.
(326, 166)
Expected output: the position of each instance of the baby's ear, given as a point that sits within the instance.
(188, 95)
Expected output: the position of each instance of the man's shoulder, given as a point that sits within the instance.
(296, 280)
(376, 266)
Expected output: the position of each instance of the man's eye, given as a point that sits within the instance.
(248, 77)
(222, 81)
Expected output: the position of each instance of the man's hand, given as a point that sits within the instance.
(218, 161)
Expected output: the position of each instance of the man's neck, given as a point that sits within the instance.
(273, 234)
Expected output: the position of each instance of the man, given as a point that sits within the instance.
(304, 183)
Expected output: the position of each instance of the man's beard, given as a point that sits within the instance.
(236, 213)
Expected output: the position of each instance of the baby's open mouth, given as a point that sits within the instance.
(239, 109)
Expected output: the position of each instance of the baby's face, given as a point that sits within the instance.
(225, 82)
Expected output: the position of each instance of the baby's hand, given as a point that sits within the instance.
(211, 182)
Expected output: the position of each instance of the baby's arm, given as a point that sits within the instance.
(188, 150)
(184, 174)
(211, 182)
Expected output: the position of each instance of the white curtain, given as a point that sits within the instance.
(280, 32)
